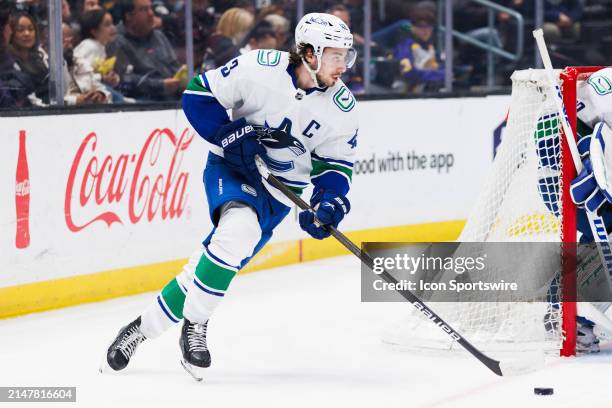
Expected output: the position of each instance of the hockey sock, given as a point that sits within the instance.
(167, 308)
(166, 311)
(210, 282)
(233, 240)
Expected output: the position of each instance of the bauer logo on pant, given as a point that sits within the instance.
(249, 190)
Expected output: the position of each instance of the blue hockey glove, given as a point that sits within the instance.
(584, 189)
(330, 210)
(240, 144)
(591, 188)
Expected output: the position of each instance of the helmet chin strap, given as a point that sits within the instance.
(313, 73)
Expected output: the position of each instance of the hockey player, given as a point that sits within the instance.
(592, 190)
(293, 110)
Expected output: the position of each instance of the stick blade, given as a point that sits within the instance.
(524, 363)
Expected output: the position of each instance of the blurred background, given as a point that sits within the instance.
(98, 52)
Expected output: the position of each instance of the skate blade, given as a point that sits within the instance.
(104, 368)
(193, 371)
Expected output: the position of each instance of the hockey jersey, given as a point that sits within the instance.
(260, 86)
(594, 101)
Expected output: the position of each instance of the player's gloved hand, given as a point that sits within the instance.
(330, 209)
(591, 189)
(584, 146)
(240, 144)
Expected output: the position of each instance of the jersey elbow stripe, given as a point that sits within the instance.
(332, 161)
(198, 87)
(204, 81)
(320, 167)
(291, 182)
(330, 172)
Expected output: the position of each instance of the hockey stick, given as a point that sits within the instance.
(504, 368)
(598, 228)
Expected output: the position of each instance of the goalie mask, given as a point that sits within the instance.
(322, 31)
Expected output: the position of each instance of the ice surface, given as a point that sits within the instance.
(295, 336)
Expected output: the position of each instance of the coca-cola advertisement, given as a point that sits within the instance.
(91, 196)
(128, 187)
(22, 196)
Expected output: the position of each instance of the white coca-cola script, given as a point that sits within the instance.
(127, 187)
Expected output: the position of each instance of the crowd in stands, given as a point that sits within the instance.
(133, 51)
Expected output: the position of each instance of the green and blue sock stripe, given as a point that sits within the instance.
(164, 307)
(199, 86)
(204, 288)
(172, 299)
(213, 275)
(220, 262)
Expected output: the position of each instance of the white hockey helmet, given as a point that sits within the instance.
(325, 30)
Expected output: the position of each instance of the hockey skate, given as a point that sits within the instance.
(123, 348)
(193, 346)
(586, 340)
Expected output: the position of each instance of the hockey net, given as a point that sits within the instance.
(525, 199)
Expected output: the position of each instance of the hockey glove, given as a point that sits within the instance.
(330, 209)
(240, 144)
(592, 188)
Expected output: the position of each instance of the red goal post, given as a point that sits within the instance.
(569, 78)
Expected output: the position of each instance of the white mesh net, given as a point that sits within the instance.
(519, 203)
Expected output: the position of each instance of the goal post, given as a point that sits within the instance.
(569, 79)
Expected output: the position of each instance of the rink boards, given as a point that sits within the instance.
(113, 203)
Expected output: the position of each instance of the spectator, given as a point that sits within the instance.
(203, 27)
(66, 12)
(98, 31)
(419, 67)
(37, 9)
(262, 36)
(83, 7)
(223, 45)
(82, 87)
(351, 77)
(88, 5)
(562, 19)
(6, 64)
(342, 12)
(31, 61)
(146, 62)
(280, 25)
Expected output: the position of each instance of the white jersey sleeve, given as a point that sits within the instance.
(233, 83)
(332, 161)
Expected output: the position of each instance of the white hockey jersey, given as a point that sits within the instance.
(594, 101)
(321, 123)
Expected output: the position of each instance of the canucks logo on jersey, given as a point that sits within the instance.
(281, 138)
(269, 58)
(344, 99)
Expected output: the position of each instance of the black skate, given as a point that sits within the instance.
(194, 348)
(125, 344)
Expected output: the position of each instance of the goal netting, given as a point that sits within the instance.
(525, 199)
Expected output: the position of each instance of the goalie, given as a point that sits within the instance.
(591, 190)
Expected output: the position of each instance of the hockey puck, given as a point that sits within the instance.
(543, 391)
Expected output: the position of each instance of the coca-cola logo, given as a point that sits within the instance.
(22, 188)
(144, 185)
